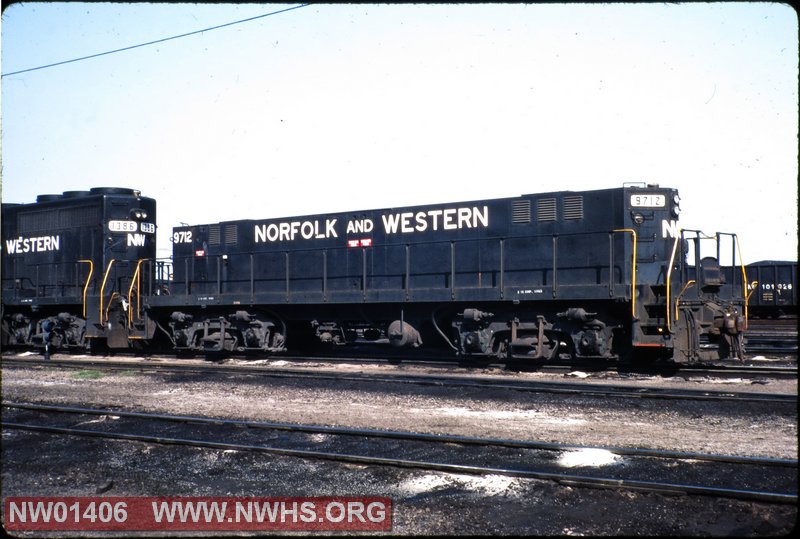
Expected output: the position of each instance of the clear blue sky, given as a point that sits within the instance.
(345, 107)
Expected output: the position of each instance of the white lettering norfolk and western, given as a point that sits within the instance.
(38, 244)
(393, 223)
(288, 231)
(450, 219)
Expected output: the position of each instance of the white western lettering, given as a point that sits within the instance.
(464, 217)
(435, 214)
(390, 223)
(422, 224)
(37, 244)
(406, 222)
(449, 219)
(477, 216)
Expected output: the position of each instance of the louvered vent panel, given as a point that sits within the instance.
(231, 234)
(573, 207)
(37, 221)
(78, 217)
(213, 235)
(546, 209)
(521, 212)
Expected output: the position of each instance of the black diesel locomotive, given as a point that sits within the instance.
(76, 260)
(597, 274)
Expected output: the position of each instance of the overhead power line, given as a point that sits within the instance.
(153, 42)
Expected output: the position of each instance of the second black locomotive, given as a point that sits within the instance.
(78, 263)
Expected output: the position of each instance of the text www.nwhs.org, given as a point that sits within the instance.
(145, 513)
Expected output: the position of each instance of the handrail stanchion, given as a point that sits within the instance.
(86, 285)
(633, 269)
(103, 288)
(135, 280)
(669, 279)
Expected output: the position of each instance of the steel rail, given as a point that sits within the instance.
(569, 388)
(567, 479)
(464, 363)
(405, 435)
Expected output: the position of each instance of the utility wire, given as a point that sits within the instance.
(152, 42)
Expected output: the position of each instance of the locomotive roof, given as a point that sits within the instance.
(439, 204)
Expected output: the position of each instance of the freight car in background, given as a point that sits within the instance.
(772, 289)
(603, 274)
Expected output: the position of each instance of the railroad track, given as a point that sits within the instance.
(785, 368)
(772, 480)
(582, 389)
(772, 336)
(778, 368)
(771, 343)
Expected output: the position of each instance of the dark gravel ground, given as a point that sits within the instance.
(424, 503)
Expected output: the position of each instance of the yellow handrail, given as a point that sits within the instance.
(669, 280)
(103, 289)
(110, 300)
(678, 297)
(86, 286)
(633, 269)
(137, 280)
(745, 295)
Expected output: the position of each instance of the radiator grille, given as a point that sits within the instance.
(213, 235)
(52, 220)
(521, 212)
(546, 209)
(231, 234)
(573, 207)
